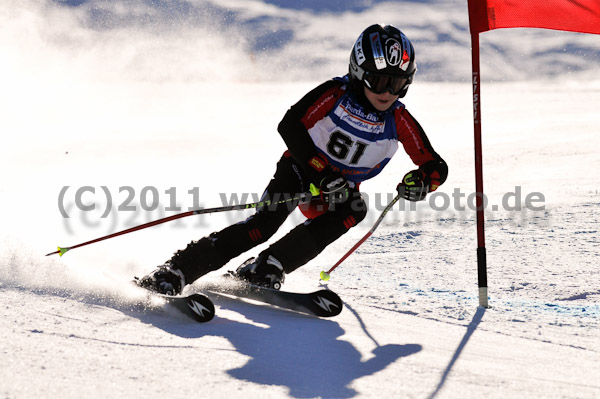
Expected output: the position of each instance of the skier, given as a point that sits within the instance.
(341, 133)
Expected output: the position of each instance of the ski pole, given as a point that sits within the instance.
(62, 250)
(325, 275)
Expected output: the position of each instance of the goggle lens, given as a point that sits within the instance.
(380, 84)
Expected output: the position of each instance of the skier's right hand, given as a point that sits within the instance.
(334, 188)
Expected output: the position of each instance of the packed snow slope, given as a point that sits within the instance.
(117, 113)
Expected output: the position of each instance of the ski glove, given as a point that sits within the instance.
(414, 186)
(331, 186)
(334, 188)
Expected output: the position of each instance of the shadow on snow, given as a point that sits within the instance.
(461, 346)
(299, 352)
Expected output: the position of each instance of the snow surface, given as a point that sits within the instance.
(185, 96)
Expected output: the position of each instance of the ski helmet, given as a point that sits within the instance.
(383, 59)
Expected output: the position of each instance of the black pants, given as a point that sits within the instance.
(293, 250)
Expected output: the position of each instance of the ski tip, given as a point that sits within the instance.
(327, 303)
(325, 276)
(201, 307)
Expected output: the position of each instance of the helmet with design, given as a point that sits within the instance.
(383, 59)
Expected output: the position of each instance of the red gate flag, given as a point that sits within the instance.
(484, 15)
(570, 15)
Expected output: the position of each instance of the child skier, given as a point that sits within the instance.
(341, 133)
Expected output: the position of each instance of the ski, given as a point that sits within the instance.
(197, 306)
(321, 303)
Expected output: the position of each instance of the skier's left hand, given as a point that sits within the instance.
(414, 186)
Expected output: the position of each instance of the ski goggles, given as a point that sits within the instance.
(380, 84)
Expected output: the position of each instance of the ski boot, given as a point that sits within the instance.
(265, 271)
(164, 280)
